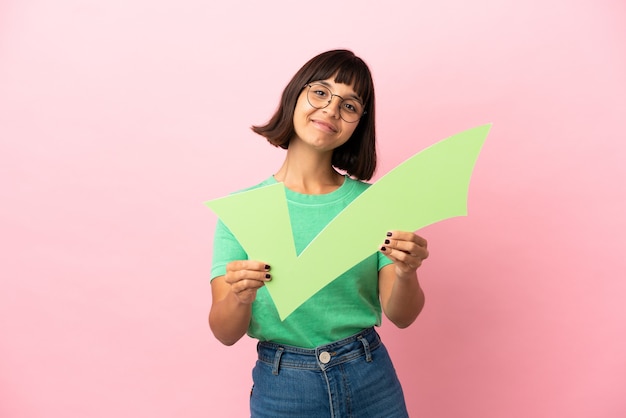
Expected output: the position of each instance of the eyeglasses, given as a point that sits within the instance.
(319, 96)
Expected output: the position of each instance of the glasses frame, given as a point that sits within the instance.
(309, 85)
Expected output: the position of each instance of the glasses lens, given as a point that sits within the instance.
(320, 96)
(351, 110)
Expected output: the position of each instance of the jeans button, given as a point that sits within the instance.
(324, 357)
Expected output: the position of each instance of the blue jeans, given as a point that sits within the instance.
(353, 377)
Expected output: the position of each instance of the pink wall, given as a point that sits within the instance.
(119, 119)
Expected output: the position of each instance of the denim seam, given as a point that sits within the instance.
(330, 394)
(277, 357)
(366, 348)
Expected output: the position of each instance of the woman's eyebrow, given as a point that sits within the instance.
(351, 96)
(324, 83)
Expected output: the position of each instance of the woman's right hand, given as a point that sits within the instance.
(245, 277)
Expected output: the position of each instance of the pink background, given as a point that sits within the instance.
(119, 119)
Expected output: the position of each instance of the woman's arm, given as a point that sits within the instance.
(232, 297)
(401, 295)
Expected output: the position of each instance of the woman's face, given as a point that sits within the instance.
(324, 129)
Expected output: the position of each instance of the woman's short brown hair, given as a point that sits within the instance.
(358, 155)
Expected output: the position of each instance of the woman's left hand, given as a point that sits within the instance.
(406, 249)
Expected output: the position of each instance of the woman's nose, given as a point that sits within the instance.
(333, 107)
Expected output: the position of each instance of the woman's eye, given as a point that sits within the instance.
(320, 93)
(349, 107)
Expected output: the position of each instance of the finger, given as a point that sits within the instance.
(233, 277)
(397, 255)
(405, 261)
(407, 236)
(252, 265)
(246, 285)
(408, 247)
(242, 270)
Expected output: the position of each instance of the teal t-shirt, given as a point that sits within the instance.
(344, 307)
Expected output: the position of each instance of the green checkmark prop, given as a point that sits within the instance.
(429, 187)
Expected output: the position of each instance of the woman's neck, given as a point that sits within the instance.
(308, 172)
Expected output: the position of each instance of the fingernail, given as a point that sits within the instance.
(383, 248)
(388, 234)
(268, 276)
(267, 267)
(387, 241)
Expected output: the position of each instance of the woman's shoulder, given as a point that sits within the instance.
(358, 185)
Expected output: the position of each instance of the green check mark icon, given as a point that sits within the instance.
(429, 187)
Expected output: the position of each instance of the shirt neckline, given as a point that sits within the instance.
(335, 195)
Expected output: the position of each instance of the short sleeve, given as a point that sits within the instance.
(226, 248)
(383, 260)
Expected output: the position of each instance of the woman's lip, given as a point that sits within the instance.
(325, 126)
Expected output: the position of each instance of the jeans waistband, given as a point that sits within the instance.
(322, 357)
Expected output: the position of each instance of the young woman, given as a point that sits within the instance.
(325, 359)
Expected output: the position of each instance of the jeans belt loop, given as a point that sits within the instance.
(366, 347)
(279, 353)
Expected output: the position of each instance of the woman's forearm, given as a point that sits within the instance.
(229, 318)
(404, 300)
